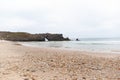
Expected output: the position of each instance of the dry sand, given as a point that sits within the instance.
(19, 62)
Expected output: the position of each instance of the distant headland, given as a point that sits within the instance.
(24, 36)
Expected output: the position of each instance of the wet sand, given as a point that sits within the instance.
(18, 62)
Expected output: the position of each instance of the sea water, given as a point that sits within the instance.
(85, 44)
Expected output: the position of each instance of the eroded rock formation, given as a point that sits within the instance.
(23, 36)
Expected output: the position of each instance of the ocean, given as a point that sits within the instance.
(85, 44)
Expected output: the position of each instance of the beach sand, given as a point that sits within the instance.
(18, 62)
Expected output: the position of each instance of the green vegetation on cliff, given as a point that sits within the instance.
(23, 36)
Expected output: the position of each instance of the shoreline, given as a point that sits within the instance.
(113, 52)
(65, 47)
(19, 62)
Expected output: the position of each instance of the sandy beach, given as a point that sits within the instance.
(18, 62)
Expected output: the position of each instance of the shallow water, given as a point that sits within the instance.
(103, 45)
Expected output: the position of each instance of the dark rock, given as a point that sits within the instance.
(23, 36)
(84, 78)
(77, 39)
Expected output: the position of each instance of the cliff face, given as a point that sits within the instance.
(22, 36)
(54, 37)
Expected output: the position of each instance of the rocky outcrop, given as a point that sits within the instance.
(54, 37)
(23, 36)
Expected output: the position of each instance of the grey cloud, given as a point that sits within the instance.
(78, 18)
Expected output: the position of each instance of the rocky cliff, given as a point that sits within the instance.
(23, 36)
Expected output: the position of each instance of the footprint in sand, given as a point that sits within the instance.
(28, 77)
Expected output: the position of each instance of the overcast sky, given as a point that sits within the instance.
(73, 18)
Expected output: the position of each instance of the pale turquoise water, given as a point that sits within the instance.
(86, 44)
